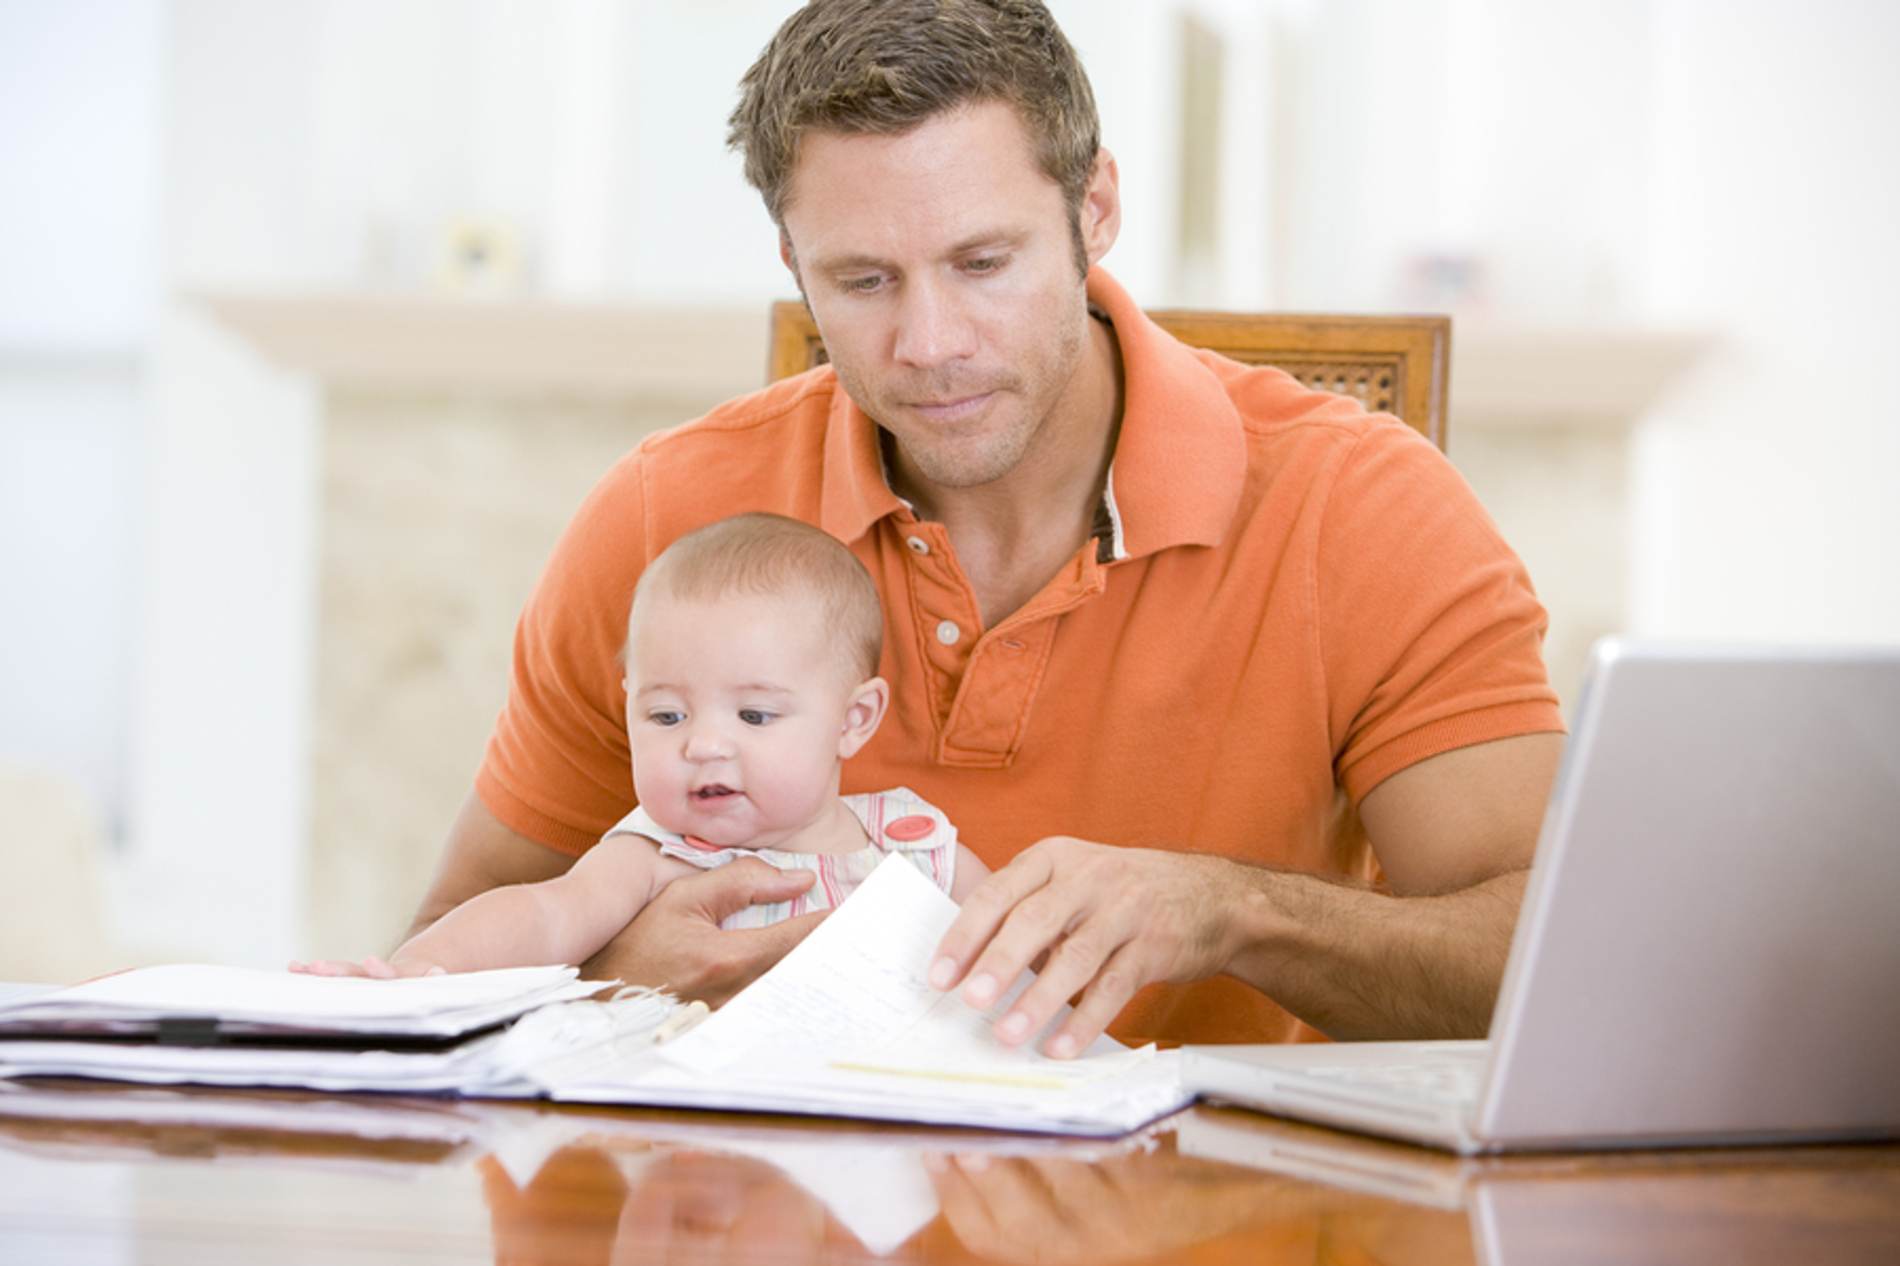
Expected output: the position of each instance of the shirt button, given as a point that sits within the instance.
(918, 545)
(948, 632)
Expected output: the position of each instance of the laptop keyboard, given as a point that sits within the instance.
(1449, 1081)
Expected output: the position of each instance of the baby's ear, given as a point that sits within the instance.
(862, 715)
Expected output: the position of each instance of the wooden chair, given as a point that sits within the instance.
(1393, 364)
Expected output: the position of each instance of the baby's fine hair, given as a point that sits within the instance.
(774, 556)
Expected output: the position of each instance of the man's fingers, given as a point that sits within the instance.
(1098, 1006)
(1096, 923)
(677, 943)
(1097, 962)
(983, 914)
(731, 960)
(722, 893)
(751, 952)
(1069, 926)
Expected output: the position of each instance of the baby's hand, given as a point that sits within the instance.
(372, 967)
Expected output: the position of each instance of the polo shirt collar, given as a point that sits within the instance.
(1181, 460)
(856, 492)
(1179, 465)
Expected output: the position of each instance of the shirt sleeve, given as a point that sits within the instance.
(1432, 633)
(557, 768)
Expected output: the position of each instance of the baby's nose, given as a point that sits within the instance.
(708, 742)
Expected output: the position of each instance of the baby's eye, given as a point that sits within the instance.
(666, 718)
(753, 716)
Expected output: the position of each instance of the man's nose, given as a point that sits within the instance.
(933, 328)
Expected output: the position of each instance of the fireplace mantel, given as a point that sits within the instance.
(367, 341)
(1501, 376)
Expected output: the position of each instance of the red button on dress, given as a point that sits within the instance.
(910, 829)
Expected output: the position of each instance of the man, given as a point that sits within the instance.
(1235, 686)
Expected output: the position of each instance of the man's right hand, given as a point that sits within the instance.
(676, 943)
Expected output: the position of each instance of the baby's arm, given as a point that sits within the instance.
(560, 920)
(969, 873)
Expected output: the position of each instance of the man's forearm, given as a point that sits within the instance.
(1360, 964)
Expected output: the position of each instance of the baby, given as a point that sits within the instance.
(751, 676)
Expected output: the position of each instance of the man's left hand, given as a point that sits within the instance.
(1091, 919)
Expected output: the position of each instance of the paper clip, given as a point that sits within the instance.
(680, 1021)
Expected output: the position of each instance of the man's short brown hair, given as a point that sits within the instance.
(885, 66)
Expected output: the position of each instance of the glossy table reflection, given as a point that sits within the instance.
(92, 1173)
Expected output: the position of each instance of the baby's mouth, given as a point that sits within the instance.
(716, 791)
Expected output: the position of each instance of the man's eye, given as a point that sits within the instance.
(860, 285)
(752, 716)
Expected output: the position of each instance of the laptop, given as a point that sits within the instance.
(1709, 946)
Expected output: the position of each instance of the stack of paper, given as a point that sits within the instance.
(237, 1027)
(845, 1025)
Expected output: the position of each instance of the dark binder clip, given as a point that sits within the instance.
(188, 1030)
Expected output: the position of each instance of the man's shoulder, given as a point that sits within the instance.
(752, 446)
(1187, 385)
(1272, 403)
(780, 417)
(1173, 384)
(763, 451)
(1291, 428)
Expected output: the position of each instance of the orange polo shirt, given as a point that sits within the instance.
(1291, 600)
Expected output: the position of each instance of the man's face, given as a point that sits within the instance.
(940, 266)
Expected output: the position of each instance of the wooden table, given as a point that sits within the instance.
(122, 1175)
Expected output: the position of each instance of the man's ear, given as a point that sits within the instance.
(1101, 208)
(790, 259)
(863, 715)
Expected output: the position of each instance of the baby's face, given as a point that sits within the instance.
(737, 710)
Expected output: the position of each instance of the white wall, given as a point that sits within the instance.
(1770, 501)
(1505, 135)
(79, 187)
(1719, 166)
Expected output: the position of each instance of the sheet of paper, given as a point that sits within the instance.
(11, 993)
(848, 985)
(954, 1042)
